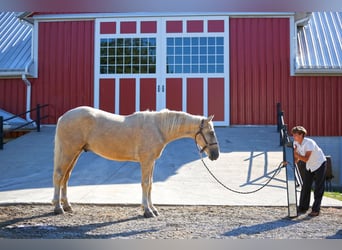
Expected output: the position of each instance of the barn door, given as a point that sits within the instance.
(154, 63)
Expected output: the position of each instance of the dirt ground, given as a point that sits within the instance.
(175, 222)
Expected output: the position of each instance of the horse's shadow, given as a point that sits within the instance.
(79, 231)
(263, 227)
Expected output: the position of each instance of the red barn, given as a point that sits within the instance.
(236, 66)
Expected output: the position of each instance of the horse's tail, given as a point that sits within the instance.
(58, 155)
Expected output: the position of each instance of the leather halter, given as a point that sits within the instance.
(200, 132)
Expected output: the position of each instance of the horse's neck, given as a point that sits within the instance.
(180, 125)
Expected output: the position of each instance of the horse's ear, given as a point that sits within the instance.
(210, 118)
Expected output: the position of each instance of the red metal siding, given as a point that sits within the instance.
(13, 95)
(65, 66)
(260, 77)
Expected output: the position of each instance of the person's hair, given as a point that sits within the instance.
(299, 130)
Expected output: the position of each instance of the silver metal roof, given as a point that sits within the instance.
(320, 44)
(15, 44)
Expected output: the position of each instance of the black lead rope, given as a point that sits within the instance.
(276, 172)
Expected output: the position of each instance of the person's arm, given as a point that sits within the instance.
(299, 157)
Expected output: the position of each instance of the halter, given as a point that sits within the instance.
(200, 132)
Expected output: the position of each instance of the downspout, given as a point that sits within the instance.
(28, 91)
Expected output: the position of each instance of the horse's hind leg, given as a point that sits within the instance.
(63, 167)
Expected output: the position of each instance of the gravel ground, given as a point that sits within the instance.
(174, 222)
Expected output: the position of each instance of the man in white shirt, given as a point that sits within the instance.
(307, 150)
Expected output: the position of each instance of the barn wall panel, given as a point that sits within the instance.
(65, 66)
(260, 77)
(13, 95)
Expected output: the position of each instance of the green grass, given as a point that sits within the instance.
(334, 195)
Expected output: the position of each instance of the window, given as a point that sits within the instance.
(128, 55)
(195, 55)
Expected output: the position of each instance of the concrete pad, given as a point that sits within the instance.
(249, 156)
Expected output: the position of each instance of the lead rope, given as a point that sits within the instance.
(276, 172)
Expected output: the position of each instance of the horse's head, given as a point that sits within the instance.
(206, 139)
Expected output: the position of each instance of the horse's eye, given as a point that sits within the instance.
(212, 133)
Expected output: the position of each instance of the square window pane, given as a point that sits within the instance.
(178, 68)
(219, 59)
(143, 68)
(203, 68)
(186, 50)
(194, 59)
(111, 69)
(170, 59)
(194, 41)
(170, 50)
(203, 59)
(111, 42)
(186, 41)
(219, 68)
(203, 41)
(203, 50)
(170, 69)
(128, 69)
(211, 59)
(178, 41)
(170, 41)
(211, 40)
(104, 60)
(211, 50)
(186, 59)
(103, 52)
(219, 40)
(178, 59)
(186, 68)
(119, 69)
(178, 50)
(219, 50)
(119, 60)
(111, 60)
(152, 69)
(194, 50)
(211, 68)
(194, 69)
(103, 69)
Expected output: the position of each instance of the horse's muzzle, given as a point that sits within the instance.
(213, 154)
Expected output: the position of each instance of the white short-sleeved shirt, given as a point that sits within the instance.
(317, 156)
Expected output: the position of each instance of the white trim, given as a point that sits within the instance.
(97, 65)
(93, 16)
(117, 95)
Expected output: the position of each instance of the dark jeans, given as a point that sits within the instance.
(308, 177)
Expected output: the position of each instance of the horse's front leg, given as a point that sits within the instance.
(146, 184)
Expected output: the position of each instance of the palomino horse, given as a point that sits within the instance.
(140, 137)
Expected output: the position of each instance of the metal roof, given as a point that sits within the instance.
(320, 44)
(15, 44)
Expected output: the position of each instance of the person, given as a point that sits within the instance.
(306, 150)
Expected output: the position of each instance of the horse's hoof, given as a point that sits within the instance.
(155, 212)
(149, 214)
(67, 209)
(59, 210)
